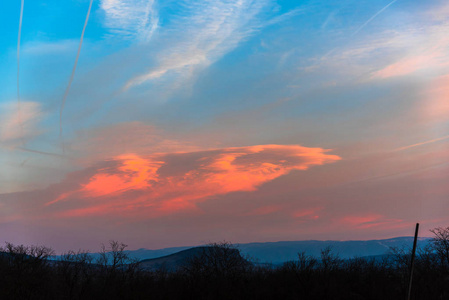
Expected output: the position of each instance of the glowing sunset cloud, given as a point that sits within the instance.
(135, 173)
(174, 181)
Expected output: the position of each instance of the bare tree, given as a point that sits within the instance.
(75, 273)
(440, 244)
(117, 267)
(28, 271)
(302, 269)
(329, 259)
(113, 257)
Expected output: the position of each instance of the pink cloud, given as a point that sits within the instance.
(371, 221)
(436, 101)
(424, 51)
(169, 182)
(311, 213)
(406, 66)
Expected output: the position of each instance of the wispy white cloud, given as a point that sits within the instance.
(131, 18)
(389, 53)
(430, 55)
(212, 29)
(285, 16)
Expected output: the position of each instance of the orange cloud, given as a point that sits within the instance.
(169, 182)
(134, 173)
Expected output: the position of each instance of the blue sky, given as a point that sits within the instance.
(245, 87)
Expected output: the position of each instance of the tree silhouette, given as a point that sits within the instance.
(440, 244)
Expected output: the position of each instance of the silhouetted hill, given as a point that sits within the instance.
(173, 261)
(143, 253)
(277, 252)
(280, 252)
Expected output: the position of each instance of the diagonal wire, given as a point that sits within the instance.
(374, 16)
(19, 116)
(73, 72)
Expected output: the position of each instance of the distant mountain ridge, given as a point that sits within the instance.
(173, 261)
(280, 252)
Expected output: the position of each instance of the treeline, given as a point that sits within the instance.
(221, 272)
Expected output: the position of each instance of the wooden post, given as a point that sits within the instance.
(412, 262)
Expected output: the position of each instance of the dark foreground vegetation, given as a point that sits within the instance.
(220, 272)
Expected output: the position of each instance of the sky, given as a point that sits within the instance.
(179, 123)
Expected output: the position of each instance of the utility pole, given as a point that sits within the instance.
(412, 264)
